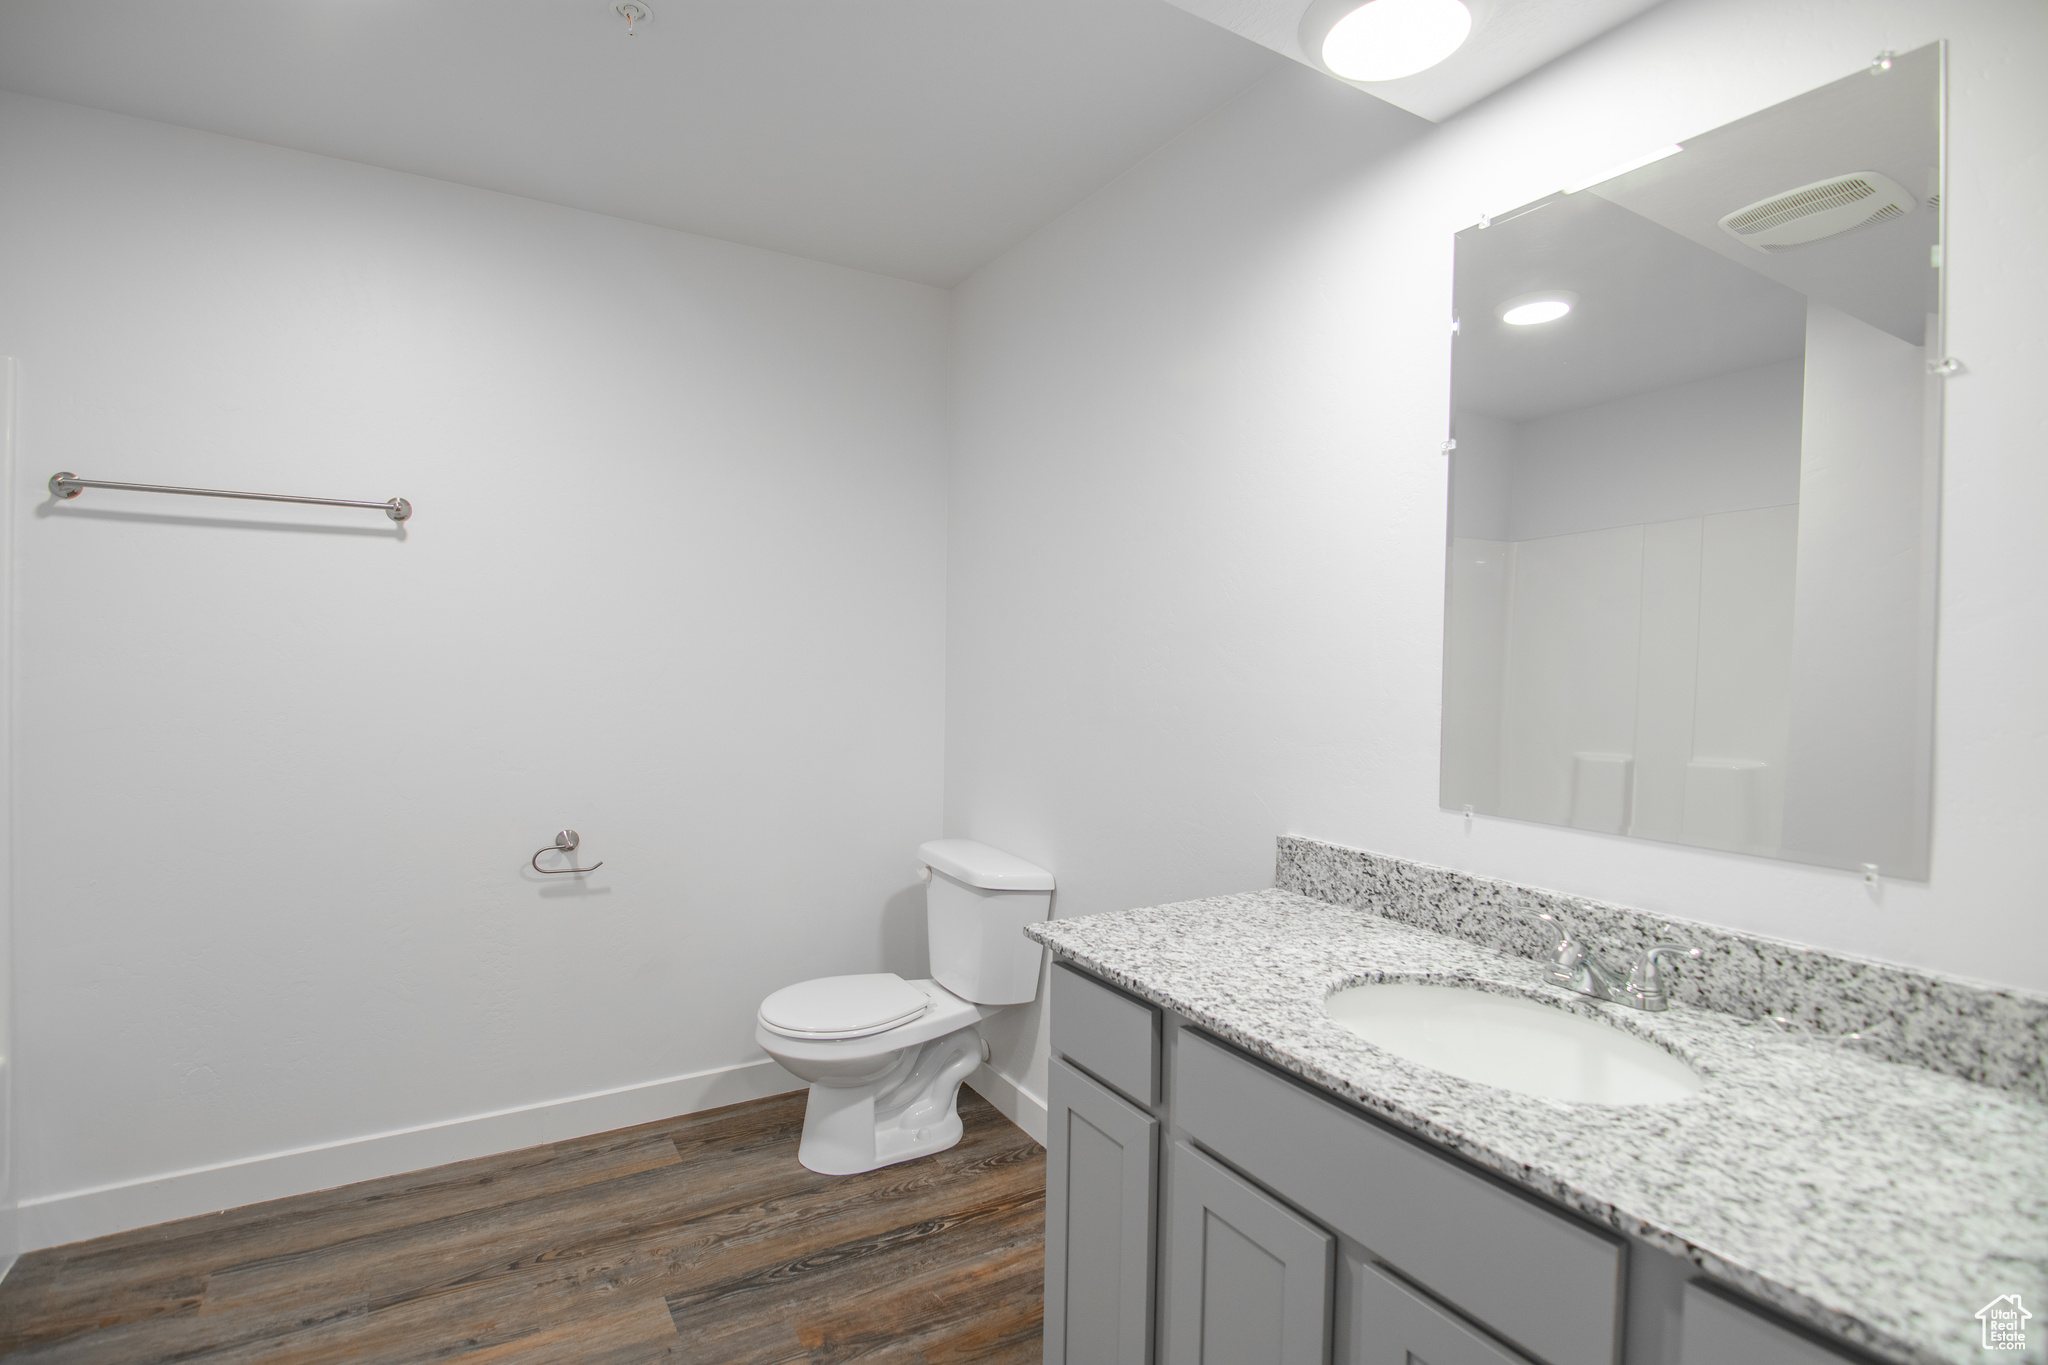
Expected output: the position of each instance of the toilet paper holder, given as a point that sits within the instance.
(565, 842)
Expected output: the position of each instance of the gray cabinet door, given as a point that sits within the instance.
(1387, 1323)
(1249, 1279)
(1101, 1168)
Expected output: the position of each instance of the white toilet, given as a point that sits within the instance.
(885, 1056)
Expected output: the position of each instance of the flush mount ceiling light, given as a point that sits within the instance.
(1527, 310)
(1384, 40)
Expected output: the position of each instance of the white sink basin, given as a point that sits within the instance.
(1512, 1043)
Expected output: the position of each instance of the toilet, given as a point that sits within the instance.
(885, 1056)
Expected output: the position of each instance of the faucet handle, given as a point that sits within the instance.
(1565, 941)
(1646, 983)
(1568, 958)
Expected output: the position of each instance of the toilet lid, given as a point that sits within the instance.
(843, 1006)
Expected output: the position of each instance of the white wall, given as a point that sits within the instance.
(10, 1229)
(675, 579)
(1726, 443)
(1569, 674)
(1634, 678)
(1198, 522)
(1476, 597)
(1482, 477)
(1741, 694)
(1637, 617)
(1860, 675)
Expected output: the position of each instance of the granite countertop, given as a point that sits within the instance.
(1882, 1202)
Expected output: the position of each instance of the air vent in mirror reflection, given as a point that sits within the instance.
(1811, 213)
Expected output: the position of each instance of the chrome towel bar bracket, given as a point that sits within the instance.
(69, 485)
(565, 842)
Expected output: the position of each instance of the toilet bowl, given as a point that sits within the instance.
(876, 1097)
(885, 1057)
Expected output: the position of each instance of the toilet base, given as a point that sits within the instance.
(910, 1112)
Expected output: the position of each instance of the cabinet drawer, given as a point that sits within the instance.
(1541, 1279)
(1718, 1331)
(1106, 1033)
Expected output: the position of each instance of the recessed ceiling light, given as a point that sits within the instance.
(1527, 310)
(1384, 40)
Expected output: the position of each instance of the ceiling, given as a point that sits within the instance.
(1654, 310)
(1509, 39)
(1889, 123)
(914, 138)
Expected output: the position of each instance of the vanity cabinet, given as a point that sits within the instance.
(1205, 1208)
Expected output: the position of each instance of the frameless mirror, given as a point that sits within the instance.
(1694, 488)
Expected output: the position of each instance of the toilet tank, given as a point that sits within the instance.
(976, 907)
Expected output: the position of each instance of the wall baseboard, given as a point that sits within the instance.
(10, 1237)
(52, 1220)
(74, 1216)
(1017, 1104)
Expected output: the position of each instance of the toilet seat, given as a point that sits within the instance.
(839, 1007)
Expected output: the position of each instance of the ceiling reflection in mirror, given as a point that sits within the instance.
(1694, 489)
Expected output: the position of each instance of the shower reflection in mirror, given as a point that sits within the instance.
(1694, 490)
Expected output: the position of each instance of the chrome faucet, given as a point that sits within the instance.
(1575, 968)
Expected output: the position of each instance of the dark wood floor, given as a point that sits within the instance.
(699, 1240)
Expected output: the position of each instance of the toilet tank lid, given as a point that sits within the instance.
(982, 866)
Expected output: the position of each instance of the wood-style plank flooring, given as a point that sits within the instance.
(697, 1240)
